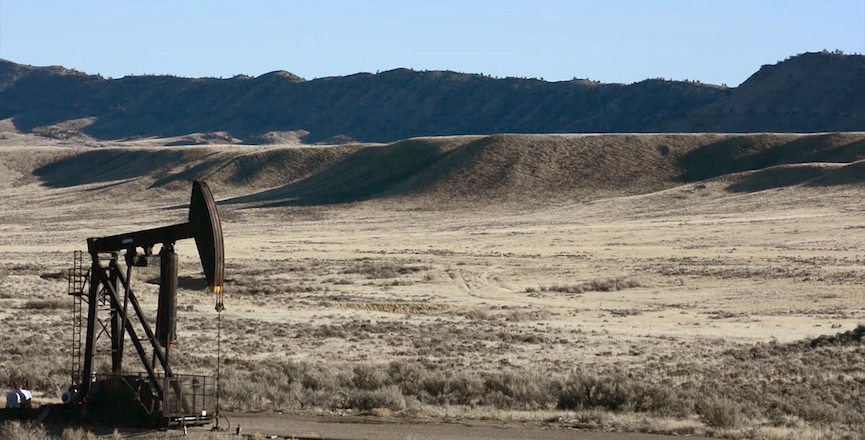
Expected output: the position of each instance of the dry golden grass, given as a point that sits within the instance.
(593, 258)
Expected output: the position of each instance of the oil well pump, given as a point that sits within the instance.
(156, 396)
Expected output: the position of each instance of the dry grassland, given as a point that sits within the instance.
(668, 305)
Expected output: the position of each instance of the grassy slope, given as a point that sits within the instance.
(477, 169)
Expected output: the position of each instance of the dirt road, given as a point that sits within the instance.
(357, 428)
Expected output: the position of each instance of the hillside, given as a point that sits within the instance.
(813, 92)
(807, 93)
(524, 170)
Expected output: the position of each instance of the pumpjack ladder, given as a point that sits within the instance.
(77, 279)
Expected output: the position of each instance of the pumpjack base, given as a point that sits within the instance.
(128, 401)
(74, 415)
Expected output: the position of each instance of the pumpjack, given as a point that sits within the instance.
(156, 396)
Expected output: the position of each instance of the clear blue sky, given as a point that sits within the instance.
(611, 41)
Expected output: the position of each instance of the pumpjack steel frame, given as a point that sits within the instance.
(157, 396)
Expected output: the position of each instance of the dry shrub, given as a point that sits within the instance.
(13, 430)
(519, 390)
(277, 385)
(616, 392)
(850, 337)
(274, 385)
(369, 377)
(476, 315)
(606, 284)
(375, 269)
(528, 315)
(22, 269)
(47, 304)
(718, 412)
(270, 287)
(337, 281)
(79, 434)
(760, 382)
(435, 386)
(61, 275)
(389, 397)
(48, 377)
(610, 284)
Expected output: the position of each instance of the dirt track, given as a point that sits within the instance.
(335, 427)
